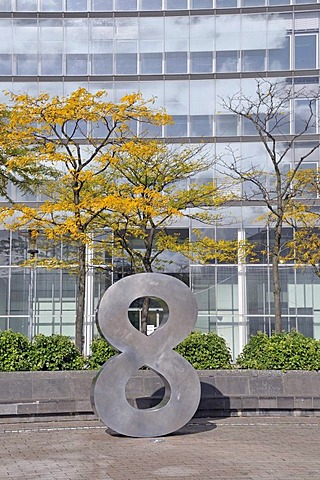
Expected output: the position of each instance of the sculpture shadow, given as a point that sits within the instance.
(213, 404)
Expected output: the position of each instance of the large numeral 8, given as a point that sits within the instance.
(182, 385)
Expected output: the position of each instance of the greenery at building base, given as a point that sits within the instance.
(205, 351)
(101, 351)
(55, 352)
(14, 352)
(282, 351)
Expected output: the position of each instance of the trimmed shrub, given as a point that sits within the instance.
(101, 351)
(14, 351)
(56, 352)
(205, 351)
(282, 351)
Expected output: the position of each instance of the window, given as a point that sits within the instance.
(226, 125)
(149, 130)
(280, 123)
(76, 129)
(304, 118)
(227, 61)
(77, 64)
(177, 4)
(248, 127)
(51, 64)
(151, 63)
(27, 64)
(125, 5)
(179, 128)
(201, 125)
(27, 5)
(253, 3)
(176, 62)
(77, 5)
(279, 58)
(126, 63)
(5, 64)
(151, 4)
(51, 5)
(102, 5)
(201, 4)
(226, 3)
(5, 5)
(305, 51)
(201, 62)
(253, 60)
(102, 64)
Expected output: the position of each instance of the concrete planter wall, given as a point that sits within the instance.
(30, 396)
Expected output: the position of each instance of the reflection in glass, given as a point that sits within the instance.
(201, 3)
(279, 58)
(5, 5)
(201, 62)
(27, 5)
(305, 118)
(253, 3)
(125, 5)
(51, 64)
(177, 4)
(151, 4)
(77, 5)
(179, 128)
(102, 5)
(227, 61)
(226, 125)
(5, 64)
(126, 63)
(102, 64)
(51, 6)
(27, 64)
(305, 51)
(77, 64)
(253, 60)
(151, 63)
(226, 3)
(201, 125)
(176, 62)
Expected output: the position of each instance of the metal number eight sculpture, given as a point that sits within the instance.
(182, 385)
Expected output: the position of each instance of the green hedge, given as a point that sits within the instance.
(101, 351)
(283, 351)
(55, 352)
(205, 351)
(14, 352)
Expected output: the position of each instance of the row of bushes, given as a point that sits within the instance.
(285, 351)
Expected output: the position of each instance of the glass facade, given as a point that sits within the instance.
(189, 55)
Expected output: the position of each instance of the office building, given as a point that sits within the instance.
(189, 54)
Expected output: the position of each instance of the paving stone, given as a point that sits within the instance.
(285, 448)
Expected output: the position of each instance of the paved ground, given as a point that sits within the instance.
(225, 449)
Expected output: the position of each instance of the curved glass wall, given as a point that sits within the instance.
(190, 57)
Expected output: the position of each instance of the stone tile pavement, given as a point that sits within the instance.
(248, 448)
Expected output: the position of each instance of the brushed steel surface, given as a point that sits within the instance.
(182, 385)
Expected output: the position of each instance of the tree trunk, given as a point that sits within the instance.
(144, 315)
(276, 279)
(146, 301)
(81, 297)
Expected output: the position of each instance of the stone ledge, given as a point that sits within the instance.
(31, 396)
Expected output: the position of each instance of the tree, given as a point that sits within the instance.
(23, 176)
(155, 191)
(277, 184)
(79, 138)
